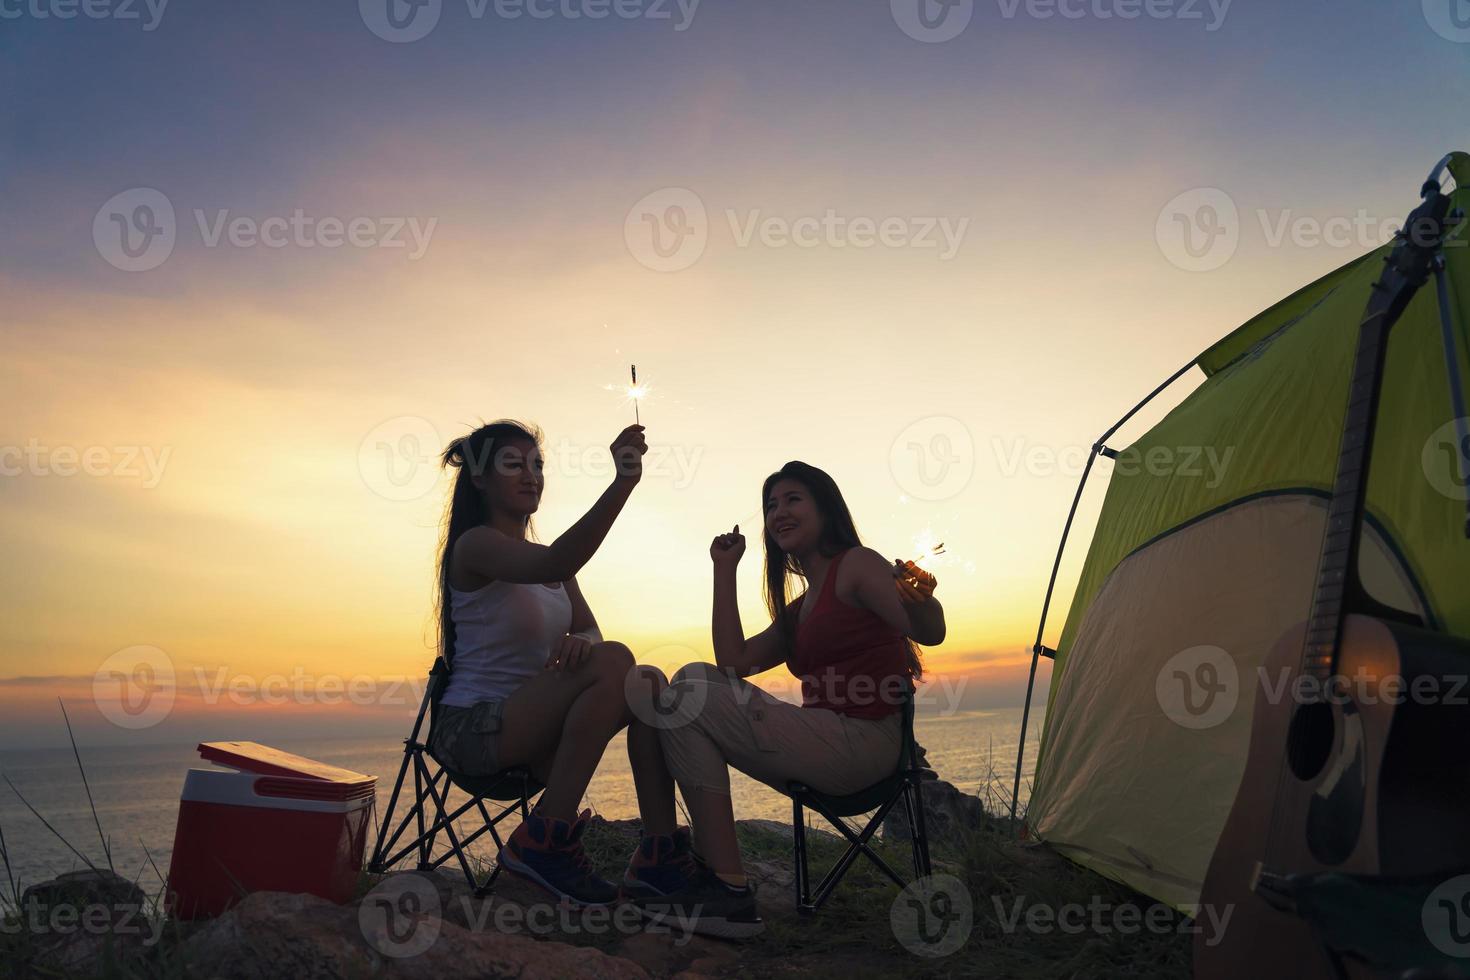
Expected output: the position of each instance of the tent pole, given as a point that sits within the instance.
(1099, 448)
(1457, 391)
(1046, 604)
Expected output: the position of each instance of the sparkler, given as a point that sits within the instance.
(634, 392)
(927, 548)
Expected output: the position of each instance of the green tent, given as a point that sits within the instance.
(1206, 551)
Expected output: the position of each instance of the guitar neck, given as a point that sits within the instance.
(1337, 567)
(1406, 269)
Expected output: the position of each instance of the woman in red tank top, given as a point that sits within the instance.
(849, 637)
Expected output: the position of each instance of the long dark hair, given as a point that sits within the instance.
(838, 534)
(472, 456)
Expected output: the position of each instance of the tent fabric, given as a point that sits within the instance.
(1265, 424)
(1129, 731)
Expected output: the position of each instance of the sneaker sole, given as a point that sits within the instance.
(718, 928)
(527, 873)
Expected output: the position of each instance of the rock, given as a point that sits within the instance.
(663, 954)
(777, 828)
(949, 814)
(80, 888)
(399, 930)
(775, 887)
(85, 921)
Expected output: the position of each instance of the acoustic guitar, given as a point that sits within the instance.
(1358, 764)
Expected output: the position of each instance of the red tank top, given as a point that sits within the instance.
(848, 659)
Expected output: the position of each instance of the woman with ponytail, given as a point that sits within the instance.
(532, 682)
(849, 637)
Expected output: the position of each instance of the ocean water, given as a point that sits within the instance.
(136, 790)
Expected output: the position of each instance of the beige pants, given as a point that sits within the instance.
(727, 721)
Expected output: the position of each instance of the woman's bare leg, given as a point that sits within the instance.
(713, 817)
(579, 712)
(651, 777)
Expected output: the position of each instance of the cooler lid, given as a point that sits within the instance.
(262, 759)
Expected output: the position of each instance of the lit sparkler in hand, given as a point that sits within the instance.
(634, 392)
(927, 548)
(913, 572)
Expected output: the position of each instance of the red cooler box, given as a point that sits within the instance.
(272, 822)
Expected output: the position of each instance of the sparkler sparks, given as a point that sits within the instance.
(632, 393)
(929, 550)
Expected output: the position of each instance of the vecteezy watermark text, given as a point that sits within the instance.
(1210, 463)
(144, 463)
(399, 460)
(405, 21)
(136, 230)
(936, 21)
(89, 9)
(669, 229)
(89, 918)
(1201, 229)
(403, 915)
(1099, 917)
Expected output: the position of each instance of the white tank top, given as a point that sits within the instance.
(503, 634)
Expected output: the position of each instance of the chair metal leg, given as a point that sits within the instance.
(425, 848)
(918, 830)
(857, 844)
(798, 837)
(376, 864)
(431, 812)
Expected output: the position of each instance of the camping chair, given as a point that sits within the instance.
(904, 784)
(509, 790)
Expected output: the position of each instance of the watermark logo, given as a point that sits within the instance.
(932, 21)
(1199, 687)
(1450, 19)
(399, 460)
(400, 21)
(1446, 917)
(134, 688)
(1199, 230)
(667, 230)
(135, 229)
(932, 917)
(933, 458)
(1446, 459)
(660, 705)
(400, 917)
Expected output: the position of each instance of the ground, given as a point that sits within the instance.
(1032, 914)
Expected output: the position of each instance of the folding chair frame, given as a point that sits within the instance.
(431, 782)
(910, 776)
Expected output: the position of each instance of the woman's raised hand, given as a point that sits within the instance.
(627, 453)
(915, 585)
(726, 549)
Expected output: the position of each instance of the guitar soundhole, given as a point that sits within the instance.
(1309, 741)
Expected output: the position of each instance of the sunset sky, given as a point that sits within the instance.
(225, 455)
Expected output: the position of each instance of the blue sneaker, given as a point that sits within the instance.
(662, 865)
(549, 853)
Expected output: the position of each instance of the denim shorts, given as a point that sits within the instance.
(467, 740)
